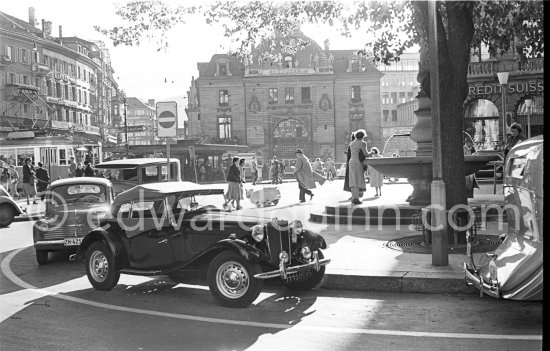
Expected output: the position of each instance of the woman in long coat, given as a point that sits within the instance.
(356, 170)
(304, 175)
(348, 156)
(376, 178)
(234, 179)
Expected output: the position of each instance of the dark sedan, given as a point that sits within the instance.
(164, 228)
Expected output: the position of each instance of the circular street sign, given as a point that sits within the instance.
(167, 119)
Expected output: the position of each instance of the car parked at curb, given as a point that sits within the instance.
(74, 206)
(514, 270)
(165, 228)
(9, 209)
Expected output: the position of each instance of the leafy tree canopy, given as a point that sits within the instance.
(395, 25)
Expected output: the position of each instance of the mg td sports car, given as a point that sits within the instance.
(74, 206)
(166, 228)
(515, 269)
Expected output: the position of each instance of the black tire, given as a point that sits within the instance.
(7, 213)
(41, 256)
(101, 268)
(313, 278)
(243, 289)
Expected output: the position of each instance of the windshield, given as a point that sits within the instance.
(90, 193)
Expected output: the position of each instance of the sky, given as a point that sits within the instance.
(142, 71)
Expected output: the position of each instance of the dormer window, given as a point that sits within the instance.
(288, 61)
(222, 69)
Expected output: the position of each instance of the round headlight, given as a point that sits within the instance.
(283, 256)
(306, 252)
(258, 232)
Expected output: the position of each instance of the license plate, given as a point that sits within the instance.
(72, 241)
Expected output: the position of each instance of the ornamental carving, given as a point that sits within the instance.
(254, 105)
(289, 107)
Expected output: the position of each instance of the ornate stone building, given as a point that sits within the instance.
(312, 99)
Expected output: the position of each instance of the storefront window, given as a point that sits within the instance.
(534, 116)
(482, 124)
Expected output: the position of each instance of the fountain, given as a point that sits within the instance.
(418, 169)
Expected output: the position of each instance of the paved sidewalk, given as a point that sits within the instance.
(360, 260)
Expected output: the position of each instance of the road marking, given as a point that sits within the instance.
(6, 270)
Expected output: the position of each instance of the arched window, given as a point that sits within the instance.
(481, 122)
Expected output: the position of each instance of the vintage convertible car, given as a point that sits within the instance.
(74, 206)
(515, 269)
(164, 228)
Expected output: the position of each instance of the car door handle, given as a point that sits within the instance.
(163, 241)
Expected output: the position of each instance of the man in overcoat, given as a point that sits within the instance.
(304, 175)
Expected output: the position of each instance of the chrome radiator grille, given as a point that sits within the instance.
(66, 231)
(278, 240)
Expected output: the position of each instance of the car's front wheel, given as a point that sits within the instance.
(100, 266)
(41, 256)
(231, 280)
(311, 280)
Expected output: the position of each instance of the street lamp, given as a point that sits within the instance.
(528, 103)
(503, 80)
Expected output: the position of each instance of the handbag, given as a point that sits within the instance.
(362, 158)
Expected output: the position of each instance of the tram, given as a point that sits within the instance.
(54, 152)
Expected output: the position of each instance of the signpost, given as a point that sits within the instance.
(167, 118)
(134, 128)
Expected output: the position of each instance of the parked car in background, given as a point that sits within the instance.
(9, 209)
(164, 228)
(74, 206)
(515, 269)
(127, 173)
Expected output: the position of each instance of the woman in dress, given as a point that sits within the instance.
(376, 178)
(356, 169)
(348, 156)
(243, 175)
(234, 187)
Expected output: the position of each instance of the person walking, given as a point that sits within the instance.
(376, 178)
(348, 156)
(281, 171)
(79, 172)
(243, 176)
(304, 175)
(29, 185)
(356, 169)
(88, 170)
(515, 138)
(43, 180)
(14, 180)
(4, 175)
(234, 179)
(471, 181)
(274, 171)
(72, 167)
(254, 170)
(331, 169)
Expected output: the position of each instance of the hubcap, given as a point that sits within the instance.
(232, 280)
(99, 266)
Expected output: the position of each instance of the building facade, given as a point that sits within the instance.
(312, 99)
(139, 113)
(398, 89)
(55, 85)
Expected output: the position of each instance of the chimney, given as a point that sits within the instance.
(46, 28)
(327, 45)
(151, 102)
(32, 18)
(61, 35)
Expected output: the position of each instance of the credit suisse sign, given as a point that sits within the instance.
(511, 88)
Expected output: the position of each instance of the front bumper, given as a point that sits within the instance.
(284, 271)
(473, 278)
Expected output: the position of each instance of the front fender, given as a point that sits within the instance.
(99, 235)
(313, 240)
(246, 251)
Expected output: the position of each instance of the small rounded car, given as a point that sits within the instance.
(514, 270)
(74, 206)
(9, 209)
(166, 228)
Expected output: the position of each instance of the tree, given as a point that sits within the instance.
(463, 26)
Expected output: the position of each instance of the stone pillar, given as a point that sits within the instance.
(422, 130)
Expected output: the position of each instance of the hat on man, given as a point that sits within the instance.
(299, 151)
